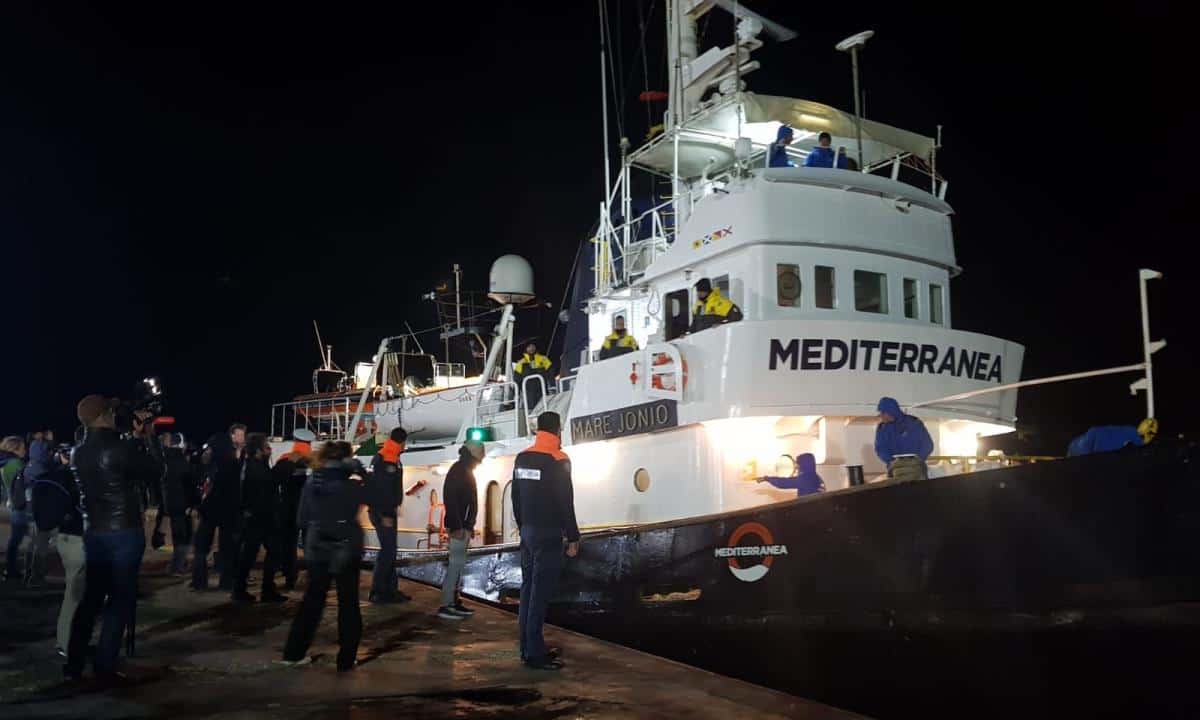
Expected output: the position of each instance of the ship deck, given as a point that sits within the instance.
(200, 656)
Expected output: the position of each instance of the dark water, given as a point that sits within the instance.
(1112, 672)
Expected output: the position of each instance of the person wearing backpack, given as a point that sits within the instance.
(57, 510)
(12, 470)
(41, 462)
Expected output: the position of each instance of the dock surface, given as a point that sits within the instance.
(198, 655)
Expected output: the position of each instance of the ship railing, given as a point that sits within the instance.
(326, 417)
(530, 416)
(624, 251)
(450, 371)
(498, 406)
(958, 464)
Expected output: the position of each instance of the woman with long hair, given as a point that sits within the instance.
(332, 551)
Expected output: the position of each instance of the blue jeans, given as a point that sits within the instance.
(113, 560)
(541, 563)
(21, 521)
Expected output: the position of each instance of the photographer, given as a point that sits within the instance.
(111, 471)
(58, 511)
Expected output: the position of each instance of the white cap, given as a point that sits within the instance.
(475, 448)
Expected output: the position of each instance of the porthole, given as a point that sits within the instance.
(785, 466)
(641, 480)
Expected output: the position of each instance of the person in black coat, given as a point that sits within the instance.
(260, 510)
(461, 498)
(333, 547)
(387, 490)
(220, 510)
(291, 472)
(178, 498)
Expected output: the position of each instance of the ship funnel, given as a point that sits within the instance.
(511, 280)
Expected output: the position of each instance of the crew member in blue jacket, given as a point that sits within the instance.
(806, 481)
(901, 442)
(778, 156)
(1107, 438)
(823, 155)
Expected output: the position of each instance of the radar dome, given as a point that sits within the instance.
(511, 280)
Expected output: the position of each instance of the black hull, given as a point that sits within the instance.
(1070, 587)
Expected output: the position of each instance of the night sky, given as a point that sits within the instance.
(184, 188)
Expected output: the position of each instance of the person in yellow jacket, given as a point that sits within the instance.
(712, 308)
(531, 360)
(532, 363)
(619, 341)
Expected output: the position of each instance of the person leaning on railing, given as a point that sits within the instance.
(532, 363)
(712, 308)
(824, 156)
(902, 442)
(619, 341)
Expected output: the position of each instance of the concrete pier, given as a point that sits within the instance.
(200, 656)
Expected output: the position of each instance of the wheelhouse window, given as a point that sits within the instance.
(935, 304)
(826, 295)
(677, 313)
(870, 292)
(910, 298)
(787, 285)
(722, 283)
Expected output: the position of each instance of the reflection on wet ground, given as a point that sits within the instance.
(198, 655)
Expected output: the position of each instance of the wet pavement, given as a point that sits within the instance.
(198, 655)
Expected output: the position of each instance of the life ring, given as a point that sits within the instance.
(656, 380)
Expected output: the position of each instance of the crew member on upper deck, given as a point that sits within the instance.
(532, 360)
(823, 155)
(712, 308)
(778, 156)
(619, 341)
(902, 442)
(532, 363)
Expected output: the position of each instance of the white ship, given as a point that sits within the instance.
(843, 277)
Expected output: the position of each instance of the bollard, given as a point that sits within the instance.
(854, 474)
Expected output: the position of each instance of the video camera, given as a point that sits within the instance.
(145, 406)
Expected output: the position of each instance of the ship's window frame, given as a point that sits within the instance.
(830, 287)
(937, 309)
(911, 311)
(677, 323)
(865, 280)
(721, 282)
(781, 298)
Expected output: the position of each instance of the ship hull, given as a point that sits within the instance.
(1068, 585)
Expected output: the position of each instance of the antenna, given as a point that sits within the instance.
(852, 45)
(320, 347)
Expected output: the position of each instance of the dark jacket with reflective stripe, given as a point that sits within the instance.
(386, 486)
(542, 494)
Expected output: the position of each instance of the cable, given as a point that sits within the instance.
(612, 71)
(570, 280)
(642, 22)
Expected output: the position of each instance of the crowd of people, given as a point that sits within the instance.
(89, 500)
